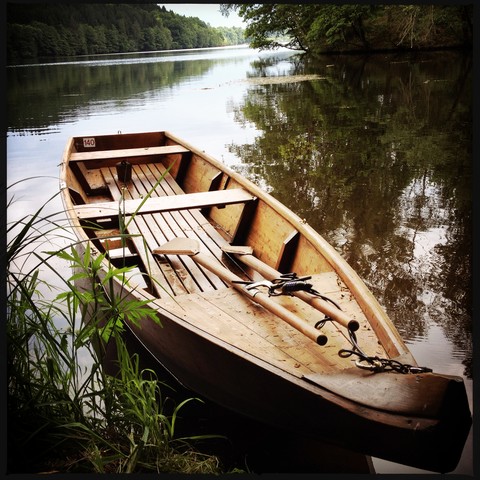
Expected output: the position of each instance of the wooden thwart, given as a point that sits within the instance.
(127, 153)
(186, 201)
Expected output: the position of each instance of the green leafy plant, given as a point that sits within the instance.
(63, 408)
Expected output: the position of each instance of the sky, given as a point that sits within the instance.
(208, 12)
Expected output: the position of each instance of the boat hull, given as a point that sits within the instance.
(251, 387)
(254, 357)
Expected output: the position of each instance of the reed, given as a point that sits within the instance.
(65, 414)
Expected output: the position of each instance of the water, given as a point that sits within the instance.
(374, 152)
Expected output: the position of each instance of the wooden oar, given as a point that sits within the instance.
(190, 247)
(244, 254)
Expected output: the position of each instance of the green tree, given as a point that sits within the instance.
(113, 40)
(320, 28)
(340, 25)
(421, 25)
(22, 41)
(95, 39)
(231, 35)
(267, 21)
(48, 40)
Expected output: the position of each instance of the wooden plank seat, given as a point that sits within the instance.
(127, 153)
(217, 198)
(149, 229)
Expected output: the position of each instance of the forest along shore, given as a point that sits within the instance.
(37, 30)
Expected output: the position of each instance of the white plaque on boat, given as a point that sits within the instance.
(89, 142)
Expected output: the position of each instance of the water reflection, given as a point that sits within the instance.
(376, 154)
(41, 96)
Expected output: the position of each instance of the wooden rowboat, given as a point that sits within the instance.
(311, 351)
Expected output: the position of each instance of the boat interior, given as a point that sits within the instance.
(174, 192)
(130, 194)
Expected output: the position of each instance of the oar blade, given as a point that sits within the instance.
(178, 246)
(238, 249)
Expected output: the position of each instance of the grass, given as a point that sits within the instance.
(66, 412)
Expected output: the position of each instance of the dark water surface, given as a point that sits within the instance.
(374, 152)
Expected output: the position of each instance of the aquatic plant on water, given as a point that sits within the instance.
(66, 412)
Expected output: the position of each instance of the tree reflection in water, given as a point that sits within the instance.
(375, 153)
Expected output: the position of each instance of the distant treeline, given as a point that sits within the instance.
(46, 30)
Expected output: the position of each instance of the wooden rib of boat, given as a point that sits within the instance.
(212, 252)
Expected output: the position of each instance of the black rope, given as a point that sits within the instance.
(290, 282)
(320, 324)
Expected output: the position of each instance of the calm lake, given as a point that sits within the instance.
(374, 152)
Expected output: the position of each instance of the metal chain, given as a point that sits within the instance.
(377, 364)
